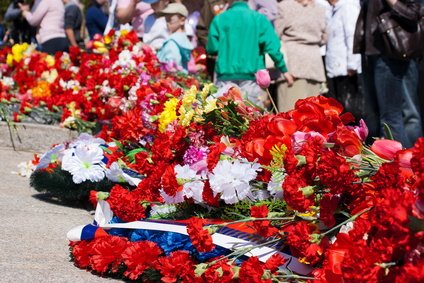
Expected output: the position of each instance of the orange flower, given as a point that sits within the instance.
(41, 90)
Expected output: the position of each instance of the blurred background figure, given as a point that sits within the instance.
(73, 22)
(177, 48)
(343, 67)
(155, 28)
(4, 32)
(268, 8)
(48, 17)
(134, 12)
(193, 7)
(240, 38)
(210, 9)
(20, 30)
(301, 25)
(390, 85)
(95, 17)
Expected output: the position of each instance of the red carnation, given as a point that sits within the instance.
(106, 253)
(328, 205)
(200, 238)
(126, 205)
(274, 262)
(139, 256)
(169, 181)
(178, 265)
(209, 196)
(302, 245)
(294, 196)
(335, 172)
(223, 271)
(81, 253)
(252, 270)
(262, 227)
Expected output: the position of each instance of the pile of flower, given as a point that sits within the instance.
(301, 179)
(81, 89)
(195, 184)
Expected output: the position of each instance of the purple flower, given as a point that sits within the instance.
(194, 155)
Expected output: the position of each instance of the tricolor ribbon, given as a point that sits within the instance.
(225, 237)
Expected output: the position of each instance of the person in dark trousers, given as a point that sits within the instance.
(73, 21)
(20, 31)
(48, 17)
(390, 85)
(95, 18)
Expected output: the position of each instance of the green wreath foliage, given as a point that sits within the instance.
(59, 184)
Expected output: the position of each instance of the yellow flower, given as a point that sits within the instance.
(185, 116)
(50, 60)
(107, 39)
(50, 77)
(17, 53)
(169, 114)
(210, 105)
(189, 97)
(205, 91)
(98, 44)
(278, 151)
(102, 50)
(9, 60)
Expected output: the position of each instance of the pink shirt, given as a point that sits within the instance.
(49, 18)
(142, 10)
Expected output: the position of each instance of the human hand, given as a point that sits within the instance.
(289, 78)
(351, 73)
(23, 7)
(391, 2)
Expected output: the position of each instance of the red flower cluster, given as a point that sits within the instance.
(200, 237)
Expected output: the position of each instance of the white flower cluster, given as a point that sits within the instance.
(84, 158)
(125, 60)
(230, 179)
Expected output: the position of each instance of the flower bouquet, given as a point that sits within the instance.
(294, 196)
(194, 184)
(81, 90)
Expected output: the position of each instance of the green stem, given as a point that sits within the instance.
(272, 102)
(252, 219)
(352, 218)
(246, 250)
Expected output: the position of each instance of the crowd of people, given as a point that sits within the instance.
(310, 47)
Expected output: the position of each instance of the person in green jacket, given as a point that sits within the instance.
(240, 38)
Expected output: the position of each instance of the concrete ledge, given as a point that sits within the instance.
(34, 137)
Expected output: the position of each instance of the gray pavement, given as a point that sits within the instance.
(33, 244)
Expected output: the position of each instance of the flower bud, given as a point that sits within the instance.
(90, 44)
(386, 148)
(98, 37)
(262, 78)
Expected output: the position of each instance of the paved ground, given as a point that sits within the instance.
(33, 244)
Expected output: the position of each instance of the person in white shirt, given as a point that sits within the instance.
(342, 66)
(155, 28)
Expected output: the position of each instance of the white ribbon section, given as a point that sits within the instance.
(103, 216)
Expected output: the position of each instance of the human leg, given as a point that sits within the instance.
(253, 91)
(372, 113)
(389, 75)
(411, 111)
